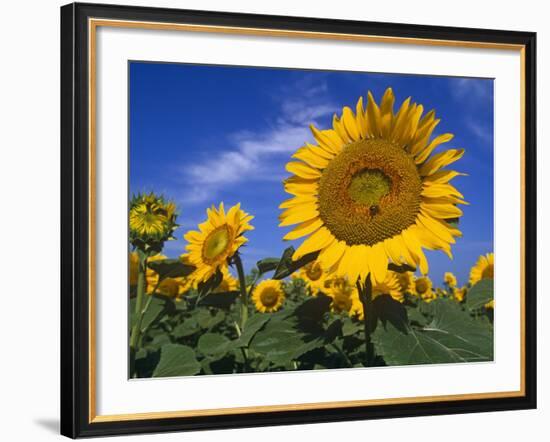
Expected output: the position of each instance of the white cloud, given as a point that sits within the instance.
(472, 88)
(250, 154)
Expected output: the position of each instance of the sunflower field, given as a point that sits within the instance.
(365, 201)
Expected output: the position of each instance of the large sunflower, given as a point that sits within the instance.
(217, 240)
(268, 296)
(483, 269)
(371, 191)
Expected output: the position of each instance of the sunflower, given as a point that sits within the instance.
(217, 240)
(314, 277)
(405, 280)
(460, 294)
(371, 191)
(449, 279)
(344, 296)
(483, 269)
(229, 283)
(268, 296)
(152, 221)
(422, 287)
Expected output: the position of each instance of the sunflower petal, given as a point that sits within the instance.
(317, 241)
(304, 229)
(440, 160)
(425, 153)
(302, 170)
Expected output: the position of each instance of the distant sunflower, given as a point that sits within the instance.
(406, 281)
(217, 240)
(229, 283)
(152, 221)
(314, 277)
(423, 288)
(449, 279)
(268, 296)
(371, 191)
(483, 269)
(344, 296)
(460, 293)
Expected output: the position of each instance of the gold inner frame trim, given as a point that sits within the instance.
(93, 24)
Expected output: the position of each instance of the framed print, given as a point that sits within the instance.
(279, 220)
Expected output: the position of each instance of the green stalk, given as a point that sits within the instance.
(136, 330)
(365, 295)
(244, 304)
(242, 289)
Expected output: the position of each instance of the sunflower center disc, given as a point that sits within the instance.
(369, 186)
(421, 286)
(269, 297)
(369, 192)
(314, 271)
(216, 243)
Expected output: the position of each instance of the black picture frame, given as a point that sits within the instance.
(75, 221)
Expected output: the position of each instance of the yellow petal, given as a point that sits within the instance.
(413, 244)
(302, 170)
(340, 129)
(400, 119)
(361, 120)
(304, 229)
(437, 227)
(298, 214)
(442, 211)
(317, 241)
(378, 262)
(348, 265)
(331, 254)
(443, 176)
(349, 123)
(327, 139)
(373, 116)
(440, 190)
(311, 158)
(302, 187)
(440, 160)
(425, 153)
(296, 201)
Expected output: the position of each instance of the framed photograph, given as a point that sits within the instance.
(279, 220)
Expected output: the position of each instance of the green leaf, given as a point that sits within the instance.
(171, 268)
(208, 319)
(253, 325)
(401, 268)
(351, 327)
(186, 328)
(205, 287)
(386, 309)
(267, 265)
(220, 300)
(479, 295)
(451, 336)
(153, 312)
(176, 360)
(213, 345)
(287, 266)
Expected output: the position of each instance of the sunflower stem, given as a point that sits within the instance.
(365, 295)
(136, 329)
(244, 303)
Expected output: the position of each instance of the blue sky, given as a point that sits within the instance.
(205, 134)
